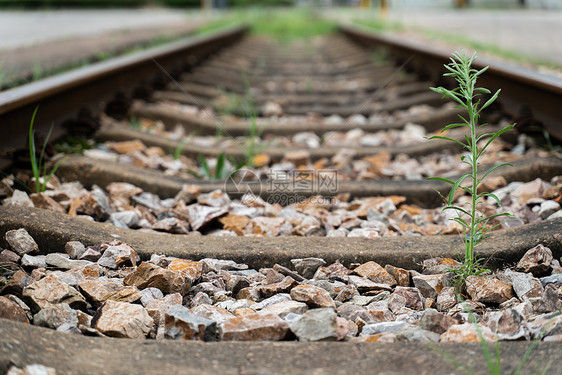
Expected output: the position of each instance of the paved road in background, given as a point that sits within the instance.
(38, 42)
(21, 28)
(536, 33)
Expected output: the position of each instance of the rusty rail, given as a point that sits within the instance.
(62, 97)
(523, 90)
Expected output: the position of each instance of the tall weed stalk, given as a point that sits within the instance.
(467, 96)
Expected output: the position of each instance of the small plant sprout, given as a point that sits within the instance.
(179, 148)
(252, 146)
(135, 123)
(220, 171)
(38, 165)
(467, 95)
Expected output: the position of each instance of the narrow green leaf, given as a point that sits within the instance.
(492, 99)
(52, 172)
(441, 179)
(456, 209)
(482, 90)
(32, 154)
(220, 166)
(448, 139)
(485, 231)
(446, 93)
(545, 369)
(461, 222)
(194, 174)
(466, 122)
(488, 218)
(204, 166)
(482, 341)
(451, 126)
(493, 196)
(497, 356)
(493, 169)
(484, 135)
(468, 142)
(455, 187)
(530, 349)
(438, 90)
(500, 132)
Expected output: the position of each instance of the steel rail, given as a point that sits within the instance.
(61, 97)
(523, 90)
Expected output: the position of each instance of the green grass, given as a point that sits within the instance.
(287, 25)
(380, 56)
(233, 104)
(283, 24)
(74, 145)
(227, 20)
(381, 25)
(251, 146)
(38, 71)
(38, 165)
(179, 148)
(220, 172)
(6, 75)
(134, 123)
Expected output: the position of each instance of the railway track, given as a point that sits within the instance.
(335, 161)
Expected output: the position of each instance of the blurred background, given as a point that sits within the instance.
(543, 4)
(137, 3)
(43, 37)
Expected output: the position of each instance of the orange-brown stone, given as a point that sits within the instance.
(254, 327)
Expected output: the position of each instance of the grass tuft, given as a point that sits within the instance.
(220, 172)
(286, 25)
(38, 165)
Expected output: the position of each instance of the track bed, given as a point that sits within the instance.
(244, 190)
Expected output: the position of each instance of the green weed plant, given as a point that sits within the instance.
(221, 170)
(467, 96)
(38, 165)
